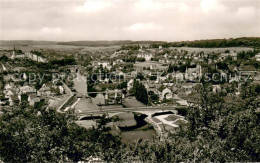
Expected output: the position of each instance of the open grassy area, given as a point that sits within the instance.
(130, 102)
(104, 86)
(85, 105)
(210, 50)
(172, 117)
(148, 64)
(180, 122)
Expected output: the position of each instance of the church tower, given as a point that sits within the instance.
(14, 53)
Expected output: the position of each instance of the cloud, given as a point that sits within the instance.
(211, 6)
(168, 20)
(142, 26)
(247, 12)
(94, 6)
(153, 5)
(148, 5)
(183, 7)
(55, 31)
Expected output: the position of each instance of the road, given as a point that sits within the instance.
(102, 111)
(69, 95)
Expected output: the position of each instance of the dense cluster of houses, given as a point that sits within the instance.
(28, 55)
(14, 94)
(231, 54)
(176, 86)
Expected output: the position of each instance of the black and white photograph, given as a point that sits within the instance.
(129, 81)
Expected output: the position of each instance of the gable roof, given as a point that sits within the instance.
(32, 96)
(247, 68)
(14, 97)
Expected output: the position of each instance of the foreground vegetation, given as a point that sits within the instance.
(217, 131)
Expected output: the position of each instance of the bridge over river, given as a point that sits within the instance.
(143, 110)
(159, 123)
(81, 88)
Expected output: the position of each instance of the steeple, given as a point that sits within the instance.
(14, 53)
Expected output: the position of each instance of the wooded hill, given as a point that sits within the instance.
(212, 43)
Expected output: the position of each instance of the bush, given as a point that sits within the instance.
(182, 111)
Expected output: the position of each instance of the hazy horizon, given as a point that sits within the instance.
(132, 40)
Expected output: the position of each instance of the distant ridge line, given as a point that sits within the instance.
(231, 42)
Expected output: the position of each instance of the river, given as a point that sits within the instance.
(145, 133)
(80, 84)
(134, 127)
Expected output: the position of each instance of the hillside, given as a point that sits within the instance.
(215, 43)
(25, 42)
(106, 43)
(211, 43)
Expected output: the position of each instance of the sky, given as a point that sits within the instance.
(165, 20)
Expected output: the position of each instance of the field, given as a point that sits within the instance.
(215, 50)
(130, 102)
(157, 65)
(60, 47)
(172, 117)
(86, 105)
(99, 49)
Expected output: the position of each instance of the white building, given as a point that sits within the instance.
(166, 94)
(257, 56)
(4, 68)
(147, 57)
(28, 55)
(61, 89)
(9, 94)
(193, 73)
(232, 54)
(130, 84)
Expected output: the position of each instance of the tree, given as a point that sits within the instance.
(153, 96)
(63, 62)
(227, 51)
(216, 132)
(3, 58)
(29, 135)
(153, 77)
(140, 76)
(122, 85)
(170, 68)
(140, 92)
(222, 65)
(44, 135)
